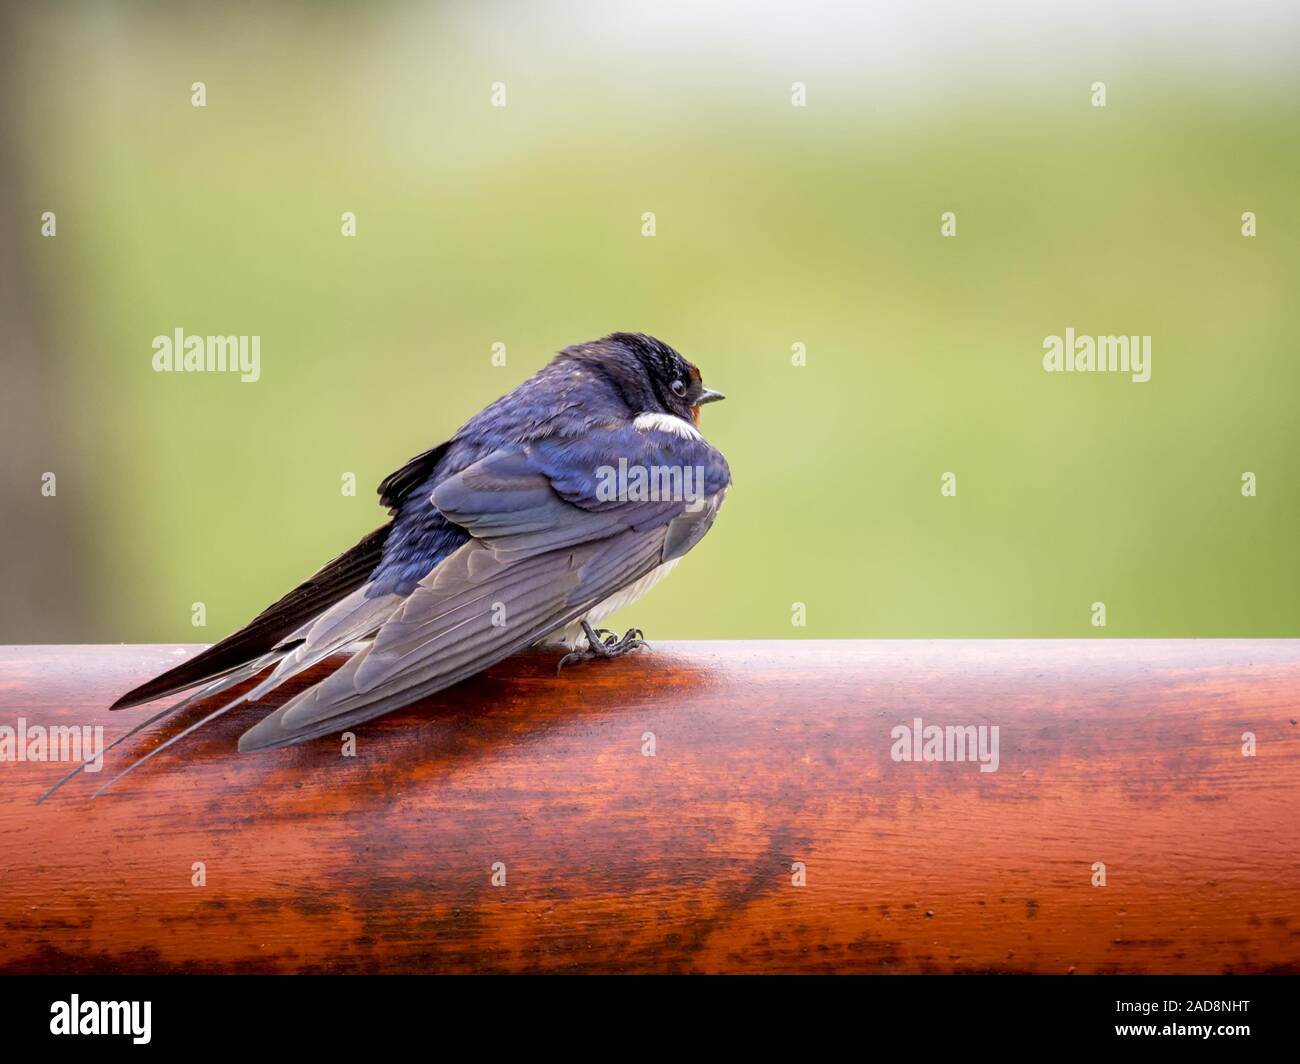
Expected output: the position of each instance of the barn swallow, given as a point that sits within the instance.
(524, 528)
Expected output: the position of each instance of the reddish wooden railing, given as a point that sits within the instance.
(766, 757)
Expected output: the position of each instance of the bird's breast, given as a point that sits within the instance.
(571, 634)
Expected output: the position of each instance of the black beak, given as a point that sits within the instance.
(708, 396)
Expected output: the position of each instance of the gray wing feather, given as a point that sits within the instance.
(504, 502)
(445, 632)
(536, 562)
(347, 621)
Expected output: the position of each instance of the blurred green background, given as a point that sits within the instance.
(776, 225)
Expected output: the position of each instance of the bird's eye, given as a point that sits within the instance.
(679, 388)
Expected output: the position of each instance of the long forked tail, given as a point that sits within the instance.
(353, 618)
(261, 643)
(214, 688)
(265, 632)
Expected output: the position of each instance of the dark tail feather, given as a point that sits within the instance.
(260, 636)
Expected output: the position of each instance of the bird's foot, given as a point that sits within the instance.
(602, 643)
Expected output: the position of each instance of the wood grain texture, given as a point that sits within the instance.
(767, 754)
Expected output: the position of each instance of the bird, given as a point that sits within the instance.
(528, 526)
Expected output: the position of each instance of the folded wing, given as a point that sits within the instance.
(548, 542)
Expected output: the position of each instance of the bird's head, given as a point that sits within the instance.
(653, 377)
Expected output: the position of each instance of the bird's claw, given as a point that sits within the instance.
(603, 643)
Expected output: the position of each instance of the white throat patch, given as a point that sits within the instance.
(648, 422)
